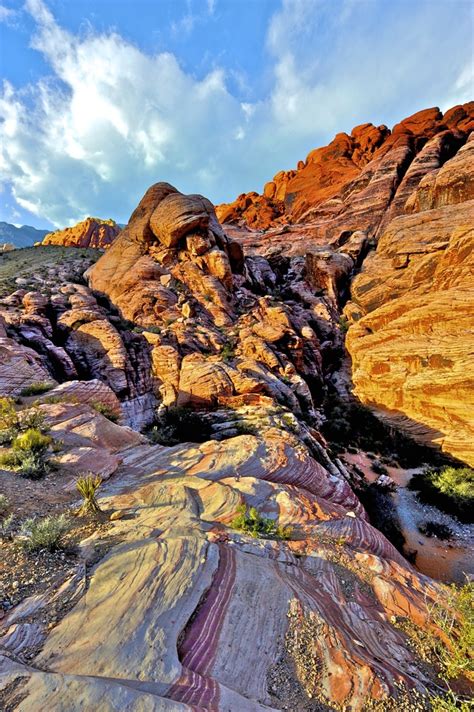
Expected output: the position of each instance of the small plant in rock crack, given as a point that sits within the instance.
(251, 522)
(344, 324)
(36, 388)
(228, 352)
(87, 487)
(46, 533)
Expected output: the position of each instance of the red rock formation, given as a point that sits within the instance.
(348, 183)
(412, 350)
(91, 232)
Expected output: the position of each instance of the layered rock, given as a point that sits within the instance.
(67, 336)
(184, 597)
(352, 184)
(213, 337)
(91, 232)
(412, 347)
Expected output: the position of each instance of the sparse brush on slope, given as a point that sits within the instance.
(44, 533)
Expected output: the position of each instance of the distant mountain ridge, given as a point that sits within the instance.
(24, 236)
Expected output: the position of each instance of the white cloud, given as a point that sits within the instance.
(7, 15)
(111, 119)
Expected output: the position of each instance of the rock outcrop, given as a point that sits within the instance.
(174, 605)
(91, 232)
(184, 597)
(413, 343)
(354, 183)
(65, 336)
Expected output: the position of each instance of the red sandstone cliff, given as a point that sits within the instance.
(91, 232)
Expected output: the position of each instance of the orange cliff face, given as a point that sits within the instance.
(91, 232)
(412, 340)
(331, 172)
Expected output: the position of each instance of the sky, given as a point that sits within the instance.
(101, 98)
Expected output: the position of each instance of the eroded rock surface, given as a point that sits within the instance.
(413, 347)
(184, 598)
(354, 183)
(173, 608)
(91, 232)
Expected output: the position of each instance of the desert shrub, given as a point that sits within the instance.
(180, 425)
(8, 420)
(29, 454)
(244, 428)
(344, 324)
(46, 533)
(450, 703)
(4, 504)
(152, 329)
(13, 422)
(449, 488)
(251, 522)
(6, 526)
(378, 468)
(452, 651)
(456, 620)
(31, 441)
(87, 487)
(227, 352)
(105, 410)
(36, 388)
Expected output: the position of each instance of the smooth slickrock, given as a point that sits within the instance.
(184, 598)
(91, 232)
(412, 352)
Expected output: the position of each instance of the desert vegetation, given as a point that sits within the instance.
(178, 424)
(43, 533)
(449, 488)
(25, 435)
(250, 521)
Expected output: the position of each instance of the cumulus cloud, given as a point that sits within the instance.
(111, 119)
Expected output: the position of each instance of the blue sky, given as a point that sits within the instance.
(101, 98)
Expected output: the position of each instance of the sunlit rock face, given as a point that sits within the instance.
(91, 232)
(172, 606)
(413, 349)
(201, 617)
(214, 328)
(357, 182)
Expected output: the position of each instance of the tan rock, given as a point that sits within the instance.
(412, 353)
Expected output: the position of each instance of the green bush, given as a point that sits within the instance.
(29, 454)
(227, 352)
(251, 522)
(450, 489)
(450, 703)
(31, 441)
(12, 422)
(180, 425)
(6, 526)
(105, 410)
(32, 418)
(47, 533)
(36, 388)
(9, 423)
